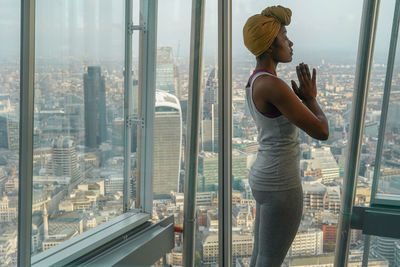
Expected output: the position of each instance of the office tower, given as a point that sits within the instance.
(209, 123)
(167, 143)
(3, 133)
(208, 170)
(117, 138)
(9, 133)
(114, 184)
(64, 162)
(208, 133)
(210, 93)
(95, 107)
(165, 70)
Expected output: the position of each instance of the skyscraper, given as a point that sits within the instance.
(209, 123)
(167, 143)
(64, 160)
(9, 133)
(95, 107)
(165, 73)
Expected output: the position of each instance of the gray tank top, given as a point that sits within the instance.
(277, 165)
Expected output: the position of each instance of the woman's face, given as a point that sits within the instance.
(282, 47)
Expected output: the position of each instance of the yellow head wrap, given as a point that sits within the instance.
(260, 30)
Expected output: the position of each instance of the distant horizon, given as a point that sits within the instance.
(95, 28)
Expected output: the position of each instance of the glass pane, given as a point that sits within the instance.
(374, 107)
(333, 53)
(9, 129)
(170, 119)
(78, 120)
(388, 184)
(207, 243)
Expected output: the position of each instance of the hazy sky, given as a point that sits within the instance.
(94, 28)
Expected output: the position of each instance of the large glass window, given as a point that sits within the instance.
(170, 117)
(388, 175)
(79, 118)
(9, 129)
(330, 47)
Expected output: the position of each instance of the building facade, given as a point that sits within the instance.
(167, 144)
(95, 107)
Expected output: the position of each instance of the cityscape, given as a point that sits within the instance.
(79, 156)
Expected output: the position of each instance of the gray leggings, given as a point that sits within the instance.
(278, 216)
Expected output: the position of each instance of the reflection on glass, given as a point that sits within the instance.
(78, 120)
(9, 129)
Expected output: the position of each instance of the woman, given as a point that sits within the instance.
(278, 112)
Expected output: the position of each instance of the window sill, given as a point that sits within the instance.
(90, 240)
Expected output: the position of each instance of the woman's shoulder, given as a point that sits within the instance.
(268, 83)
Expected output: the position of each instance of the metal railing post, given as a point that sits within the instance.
(225, 132)
(361, 84)
(192, 148)
(26, 131)
(127, 101)
(147, 73)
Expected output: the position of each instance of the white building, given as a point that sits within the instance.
(322, 159)
(167, 143)
(7, 213)
(242, 246)
(309, 242)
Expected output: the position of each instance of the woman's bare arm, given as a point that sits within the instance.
(306, 115)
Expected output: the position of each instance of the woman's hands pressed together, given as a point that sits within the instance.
(308, 87)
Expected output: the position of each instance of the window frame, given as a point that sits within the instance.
(130, 219)
(379, 198)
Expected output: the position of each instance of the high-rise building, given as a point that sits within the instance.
(209, 123)
(165, 70)
(210, 93)
(167, 143)
(9, 133)
(95, 107)
(64, 162)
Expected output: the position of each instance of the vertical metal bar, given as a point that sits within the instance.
(361, 84)
(26, 131)
(147, 72)
(127, 102)
(386, 98)
(195, 72)
(384, 112)
(225, 132)
(367, 242)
